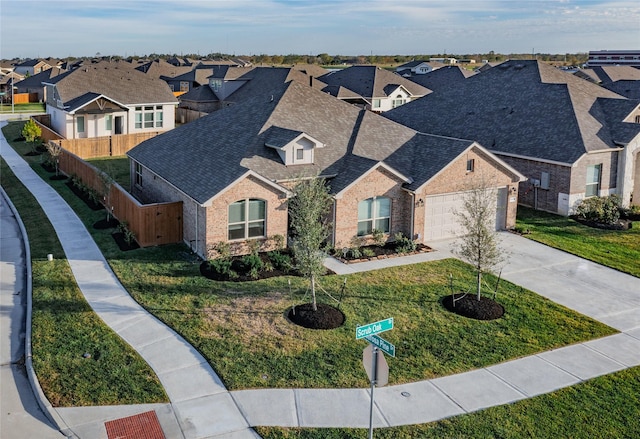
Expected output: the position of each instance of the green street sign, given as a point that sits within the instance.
(374, 328)
(382, 344)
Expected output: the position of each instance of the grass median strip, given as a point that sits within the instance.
(605, 407)
(65, 327)
(619, 249)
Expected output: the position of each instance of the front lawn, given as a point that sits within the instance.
(619, 249)
(65, 328)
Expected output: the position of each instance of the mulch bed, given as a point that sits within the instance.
(122, 244)
(243, 276)
(93, 205)
(103, 224)
(326, 317)
(621, 224)
(383, 252)
(469, 306)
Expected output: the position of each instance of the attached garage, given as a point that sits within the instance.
(441, 221)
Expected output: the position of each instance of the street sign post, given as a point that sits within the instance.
(374, 328)
(382, 344)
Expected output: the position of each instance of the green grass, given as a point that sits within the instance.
(603, 408)
(23, 108)
(116, 167)
(65, 327)
(241, 329)
(614, 248)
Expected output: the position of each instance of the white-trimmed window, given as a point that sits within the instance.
(299, 153)
(108, 122)
(80, 124)
(215, 84)
(399, 100)
(471, 165)
(138, 172)
(247, 219)
(375, 103)
(149, 116)
(593, 180)
(374, 213)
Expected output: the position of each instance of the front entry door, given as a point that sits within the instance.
(118, 127)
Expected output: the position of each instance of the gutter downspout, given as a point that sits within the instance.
(413, 213)
(335, 208)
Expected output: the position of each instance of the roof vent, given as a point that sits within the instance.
(518, 66)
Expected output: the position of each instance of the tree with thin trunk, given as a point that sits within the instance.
(308, 210)
(107, 181)
(479, 245)
(55, 151)
(31, 132)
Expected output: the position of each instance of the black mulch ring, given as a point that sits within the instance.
(469, 306)
(326, 317)
(118, 237)
(93, 205)
(104, 224)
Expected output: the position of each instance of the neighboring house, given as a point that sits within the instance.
(380, 89)
(230, 85)
(108, 98)
(31, 67)
(234, 170)
(624, 80)
(160, 68)
(443, 77)
(5, 84)
(6, 67)
(571, 138)
(34, 84)
(413, 68)
(614, 57)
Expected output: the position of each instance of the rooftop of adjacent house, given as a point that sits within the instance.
(371, 81)
(443, 77)
(159, 67)
(124, 85)
(35, 81)
(524, 108)
(30, 63)
(628, 89)
(205, 156)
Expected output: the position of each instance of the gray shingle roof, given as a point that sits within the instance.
(524, 108)
(370, 81)
(443, 77)
(205, 156)
(113, 80)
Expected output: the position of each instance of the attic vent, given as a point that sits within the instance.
(519, 66)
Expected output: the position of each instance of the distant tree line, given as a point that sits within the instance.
(326, 59)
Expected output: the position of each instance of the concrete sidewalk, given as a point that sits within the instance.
(201, 404)
(202, 408)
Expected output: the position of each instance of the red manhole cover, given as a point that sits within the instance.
(142, 426)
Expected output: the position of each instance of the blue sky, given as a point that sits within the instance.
(60, 28)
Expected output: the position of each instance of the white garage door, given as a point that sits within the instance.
(441, 221)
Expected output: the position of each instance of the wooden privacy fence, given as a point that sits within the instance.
(44, 122)
(105, 146)
(25, 98)
(152, 224)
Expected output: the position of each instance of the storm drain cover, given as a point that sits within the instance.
(142, 426)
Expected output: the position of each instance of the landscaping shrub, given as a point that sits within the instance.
(280, 261)
(605, 210)
(404, 244)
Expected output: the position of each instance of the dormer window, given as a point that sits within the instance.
(215, 84)
(293, 147)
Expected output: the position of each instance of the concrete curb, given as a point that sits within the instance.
(40, 397)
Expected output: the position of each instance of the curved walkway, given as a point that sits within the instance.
(203, 408)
